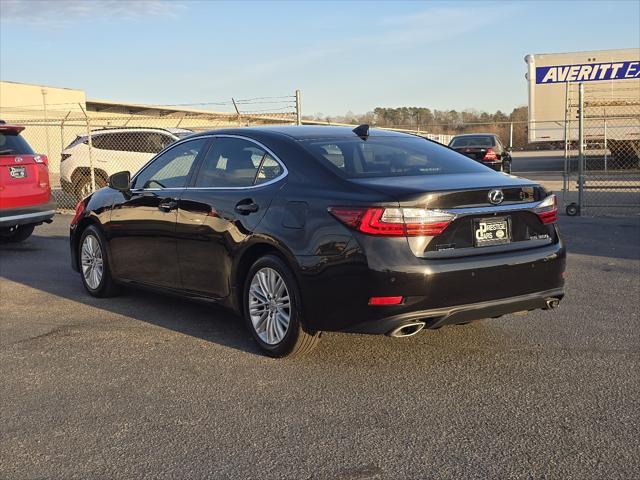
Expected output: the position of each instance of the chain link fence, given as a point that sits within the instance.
(88, 143)
(85, 147)
(602, 176)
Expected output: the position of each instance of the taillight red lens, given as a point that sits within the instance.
(373, 224)
(393, 222)
(79, 210)
(378, 301)
(490, 155)
(547, 211)
(42, 159)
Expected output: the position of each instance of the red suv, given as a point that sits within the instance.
(25, 192)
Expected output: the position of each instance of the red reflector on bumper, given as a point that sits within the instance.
(385, 300)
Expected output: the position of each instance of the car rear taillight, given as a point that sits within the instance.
(41, 159)
(547, 211)
(490, 156)
(79, 210)
(393, 222)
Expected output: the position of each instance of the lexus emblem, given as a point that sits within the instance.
(496, 196)
(17, 159)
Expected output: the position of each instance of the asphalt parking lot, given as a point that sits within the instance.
(148, 386)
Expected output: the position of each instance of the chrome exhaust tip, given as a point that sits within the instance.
(552, 303)
(406, 330)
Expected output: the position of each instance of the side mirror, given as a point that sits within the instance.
(120, 181)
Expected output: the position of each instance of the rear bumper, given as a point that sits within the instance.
(36, 214)
(439, 317)
(336, 292)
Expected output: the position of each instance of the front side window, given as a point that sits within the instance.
(231, 162)
(389, 156)
(171, 169)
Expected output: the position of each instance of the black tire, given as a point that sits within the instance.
(297, 340)
(572, 209)
(506, 167)
(106, 287)
(20, 234)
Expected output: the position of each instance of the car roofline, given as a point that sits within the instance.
(107, 130)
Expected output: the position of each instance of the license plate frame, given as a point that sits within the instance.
(17, 172)
(491, 231)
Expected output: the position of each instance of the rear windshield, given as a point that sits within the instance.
(389, 157)
(479, 141)
(14, 144)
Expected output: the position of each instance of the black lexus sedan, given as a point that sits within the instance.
(308, 229)
(486, 148)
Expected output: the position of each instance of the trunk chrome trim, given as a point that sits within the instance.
(493, 209)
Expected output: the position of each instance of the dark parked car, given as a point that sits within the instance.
(305, 229)
(486, 148)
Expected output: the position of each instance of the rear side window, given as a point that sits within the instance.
(139, 142)
(107, 141)
(269, 170)
(389, 157)
(473, 141)
(14, 144)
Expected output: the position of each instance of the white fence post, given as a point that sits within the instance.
(90, 143)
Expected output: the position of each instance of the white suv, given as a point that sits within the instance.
(114, 150)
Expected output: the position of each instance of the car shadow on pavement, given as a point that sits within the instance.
(42, 263)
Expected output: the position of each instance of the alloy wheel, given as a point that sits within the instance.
(269, 305)
(91, 261)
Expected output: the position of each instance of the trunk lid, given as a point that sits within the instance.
(476, 153)
(24, 176)
(23, 181)
(455, 190)
(468, 197)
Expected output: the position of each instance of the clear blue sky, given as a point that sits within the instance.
(342, 55)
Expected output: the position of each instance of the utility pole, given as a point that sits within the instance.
(46, 120)
(298, 108)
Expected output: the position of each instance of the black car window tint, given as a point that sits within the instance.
(99, 142)
(391, 156)
(138, 142)
(269, 170)
(165, 141)
(171, 169)
(153, 142)
(13, 143)
(230, 162)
